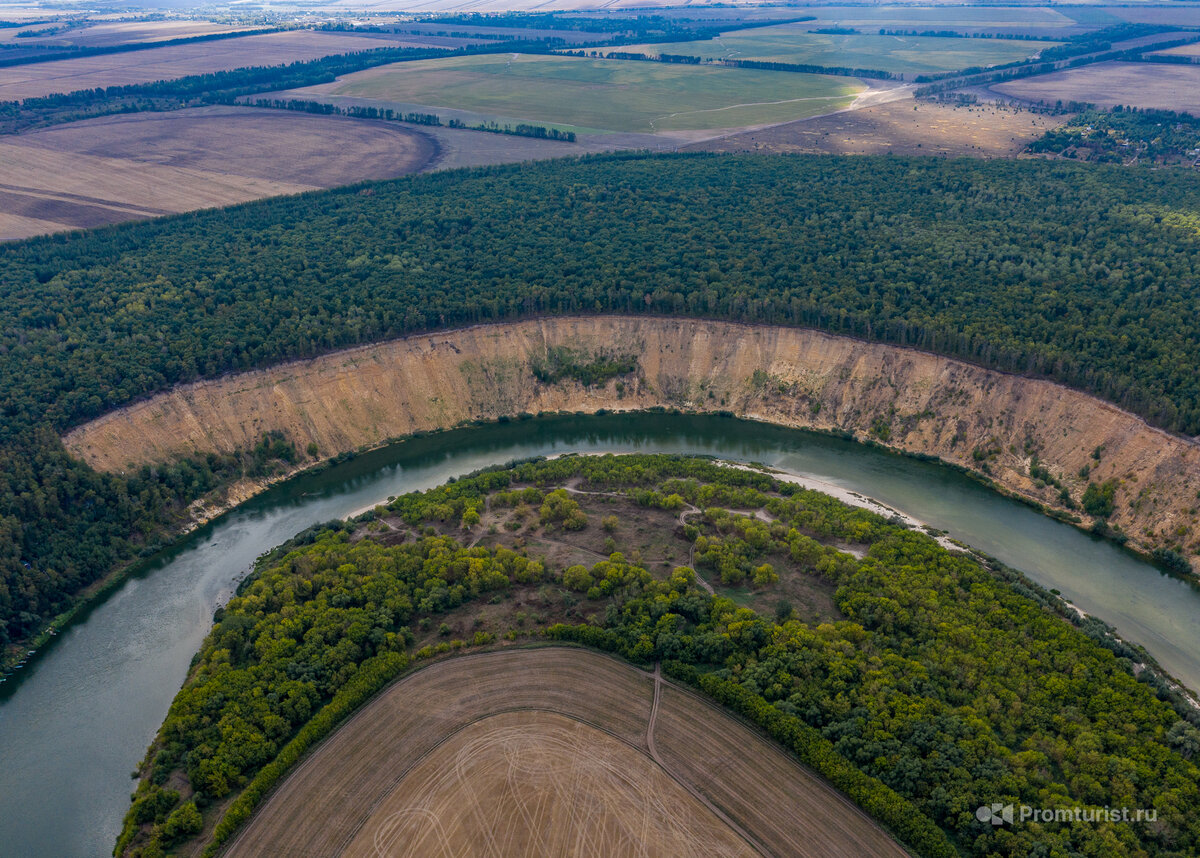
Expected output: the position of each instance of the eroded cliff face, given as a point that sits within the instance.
(910, 400)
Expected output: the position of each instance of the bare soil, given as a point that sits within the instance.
(899, 127)
(106, 33)
(540, 784)
(1153, 85)
(175, 61)
(119, 168)
(937, 406)
(1192, 50)
(552, 751)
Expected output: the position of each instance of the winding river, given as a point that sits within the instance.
(76, 720)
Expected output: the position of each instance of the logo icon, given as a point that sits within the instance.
(995, 813)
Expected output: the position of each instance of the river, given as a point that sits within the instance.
(77, 719)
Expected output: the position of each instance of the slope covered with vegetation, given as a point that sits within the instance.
(1082, 274)
(921, 683)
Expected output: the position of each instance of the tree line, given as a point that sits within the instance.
(1071, 272)
(762, 65)
(521, 129)
(223, 87)
(942, 685)
(73, 52)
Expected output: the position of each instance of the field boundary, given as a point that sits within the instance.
(521, 652)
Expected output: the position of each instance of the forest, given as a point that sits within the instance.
(938, 682)
(1124, 135)
(1076, 273)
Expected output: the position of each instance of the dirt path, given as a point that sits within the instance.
(443, 742)
(692, 510)
(683, 782)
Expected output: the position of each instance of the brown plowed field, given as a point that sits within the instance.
(539, 783)
(175, 61)
(119, 168)
(784, 791)
(543, 752)
(1146, 85)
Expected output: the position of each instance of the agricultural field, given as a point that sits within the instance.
(128, 167)
(1192, 50)
(900, 128)
(437, 764)
(1148, 85)
(1176, 15)
(538, 783)
(1028, 20)
(99, 34)
(793, 43)
(175, 61)
(593, 94)
(759, 783)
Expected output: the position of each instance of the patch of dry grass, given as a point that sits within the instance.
(902, 128)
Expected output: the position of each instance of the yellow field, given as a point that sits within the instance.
(552, 752)
(900, 128)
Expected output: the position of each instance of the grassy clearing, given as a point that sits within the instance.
(901, 128)
(600, 94)
(897, 54)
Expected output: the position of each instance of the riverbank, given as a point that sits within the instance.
(128, 654)
(1035, 440)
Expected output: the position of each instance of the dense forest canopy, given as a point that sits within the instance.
(932, 684)
(1082, 274)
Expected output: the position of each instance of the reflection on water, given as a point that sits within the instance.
(81, 715)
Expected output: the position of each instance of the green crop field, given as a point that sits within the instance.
(610, 95)
(897, 54)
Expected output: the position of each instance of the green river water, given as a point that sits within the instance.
(77, 719)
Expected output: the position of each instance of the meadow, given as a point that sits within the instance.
(997, 20)
(595, 94)
(897, 54)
